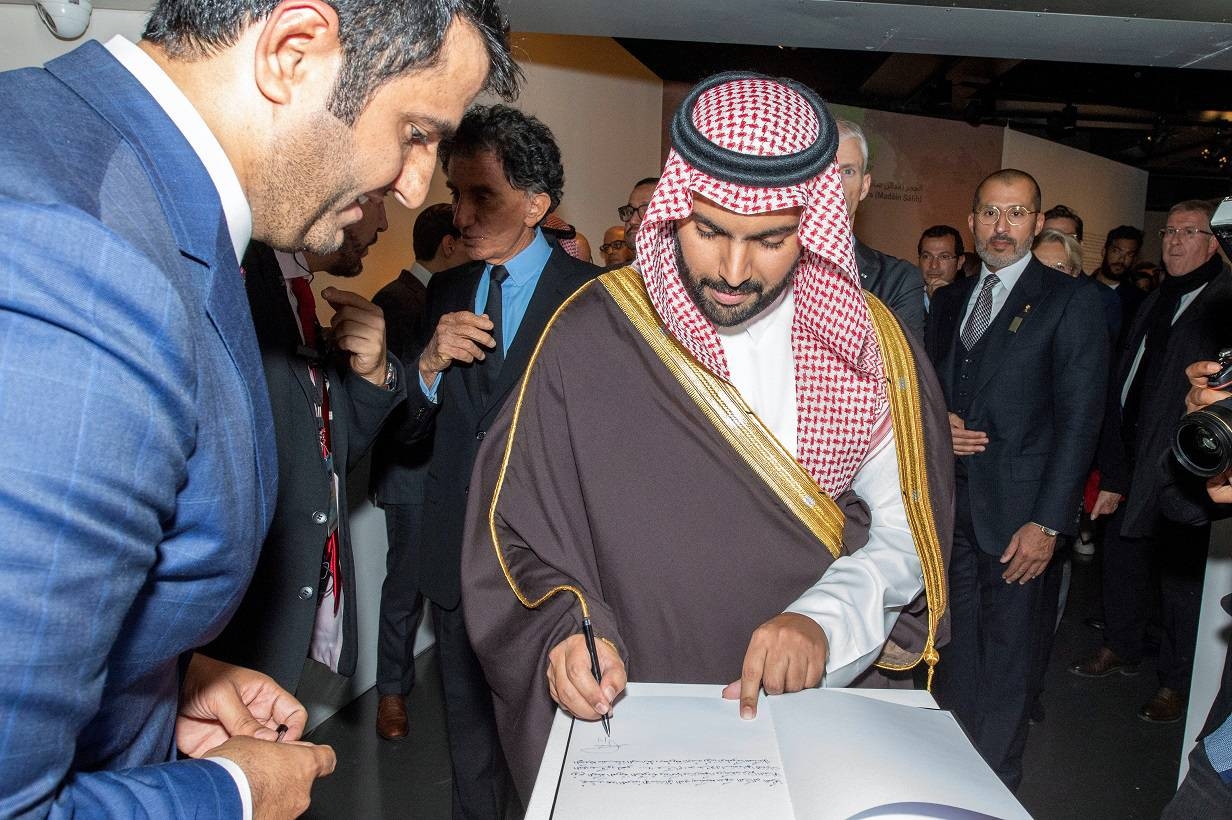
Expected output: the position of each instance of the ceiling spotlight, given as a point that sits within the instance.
(67, 19)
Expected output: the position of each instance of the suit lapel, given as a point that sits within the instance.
(948, 316)
(1022, 301)
(464, 292)
(194, 212)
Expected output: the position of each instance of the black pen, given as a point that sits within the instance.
(589, 633)
(282, 731)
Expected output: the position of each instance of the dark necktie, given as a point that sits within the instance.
(981, 314)
(494, 307)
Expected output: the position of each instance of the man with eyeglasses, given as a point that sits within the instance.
(892, 280)
(1185, 319)
(940, 250)
(632, 212)
(1023, 370)
(615, 250)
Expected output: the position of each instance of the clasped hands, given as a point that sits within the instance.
(232, 712)
(785, 654)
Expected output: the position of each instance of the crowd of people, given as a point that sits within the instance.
(747, 449)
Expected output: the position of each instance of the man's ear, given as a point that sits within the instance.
(298, 48)
(448, 245)
(537, 208)
(865, 185)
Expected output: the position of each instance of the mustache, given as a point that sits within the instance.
(1001, 237)
(748, 286)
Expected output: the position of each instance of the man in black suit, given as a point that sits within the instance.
(301, 603)
(1186, 318)
(400, 470)
(1023, 370)
(894, 281)
(505, 174)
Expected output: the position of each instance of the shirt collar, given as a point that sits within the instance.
(205, 145)
(1008, 276)
(421, 273)
(528, 263)
(292, 265)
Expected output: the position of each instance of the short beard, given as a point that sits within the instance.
(301, 194)
(722, 315)
(347, 262)
(995, 262)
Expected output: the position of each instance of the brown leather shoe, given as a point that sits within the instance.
(391, 721)
(1103, 663)
(1168, 706)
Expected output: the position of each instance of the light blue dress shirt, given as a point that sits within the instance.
(524, 271)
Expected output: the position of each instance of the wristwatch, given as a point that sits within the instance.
(1046, 531)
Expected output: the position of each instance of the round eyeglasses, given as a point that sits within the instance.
(1014, 214)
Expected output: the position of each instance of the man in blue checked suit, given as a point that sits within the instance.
(137, 465)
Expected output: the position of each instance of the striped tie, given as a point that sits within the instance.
(981, 315)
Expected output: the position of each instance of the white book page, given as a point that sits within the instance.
(846, 756)
(674, 757)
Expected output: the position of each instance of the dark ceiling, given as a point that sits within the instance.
(1171, 122)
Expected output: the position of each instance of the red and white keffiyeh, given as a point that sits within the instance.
(840, 379)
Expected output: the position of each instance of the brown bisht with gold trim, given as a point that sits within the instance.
(626, 473)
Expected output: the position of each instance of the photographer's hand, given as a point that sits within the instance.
(1199, 394)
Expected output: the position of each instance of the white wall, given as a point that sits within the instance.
(25, 41)
(1103, 192)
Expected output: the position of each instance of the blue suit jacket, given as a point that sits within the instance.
(137, 469)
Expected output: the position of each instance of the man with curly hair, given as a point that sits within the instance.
(505, 175)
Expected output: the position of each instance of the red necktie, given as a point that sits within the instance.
(306, 307)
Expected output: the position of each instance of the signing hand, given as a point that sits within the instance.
(573, 686)
(280, 775)
(219, 701)
(966, 442)
(1028, 554)
(459, 337)
(359, 328)
(786, 654)
(1106, 503)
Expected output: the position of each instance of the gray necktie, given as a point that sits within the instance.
(981, 314)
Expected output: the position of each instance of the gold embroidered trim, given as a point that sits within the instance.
(724, 407)
(500, 480)
(905, 412)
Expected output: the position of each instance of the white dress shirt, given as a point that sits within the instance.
(1007, 277)
(859, 597)
(234, 206)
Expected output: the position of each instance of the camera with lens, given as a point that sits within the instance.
(1203, 442)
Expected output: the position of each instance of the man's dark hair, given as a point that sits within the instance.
(936, 232)
(380, 41)
(1008, 176)
(433, 224)
(1065, 212)
(646, 181)
(524, 145)
(1123, 232)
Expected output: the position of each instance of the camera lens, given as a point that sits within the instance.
(1203, 443)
